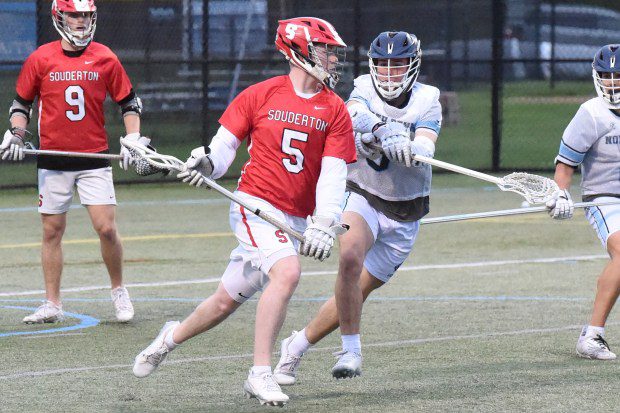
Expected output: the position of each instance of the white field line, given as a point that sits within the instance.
(398, 343)
(215, 279)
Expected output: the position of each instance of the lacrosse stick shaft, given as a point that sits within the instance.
(256, 211)
(449, 167)
(175, 165)
(506, 212)
(40, 152)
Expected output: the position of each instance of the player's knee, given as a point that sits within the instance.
(106, 231)
(286, 278)
(226, 305)
(53, 232)
(350, 263)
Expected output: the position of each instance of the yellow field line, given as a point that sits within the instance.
(125, 239)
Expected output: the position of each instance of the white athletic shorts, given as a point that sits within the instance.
(261, 245)
(393, 239)
(95, 187)
(604, 219)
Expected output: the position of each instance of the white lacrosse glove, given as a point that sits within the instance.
(397, 147)
(561, 205)
(361, 144)
(12, 146)
(126, 154)
(199, 165)
(319, 237)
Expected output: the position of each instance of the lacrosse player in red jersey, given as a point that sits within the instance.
(300, 139)
(70, 79)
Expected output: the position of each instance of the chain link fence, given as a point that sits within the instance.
(512, 73)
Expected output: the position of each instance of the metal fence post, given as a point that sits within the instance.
(206, 138)
(497, 80)
(358, 38)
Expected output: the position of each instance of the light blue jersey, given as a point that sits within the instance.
(592, 140)
(392, 181)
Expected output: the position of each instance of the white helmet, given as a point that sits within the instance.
(78, 38)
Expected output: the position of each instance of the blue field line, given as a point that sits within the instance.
(321, 299)
(85, 322)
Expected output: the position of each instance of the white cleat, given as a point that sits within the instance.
(285, 372)
(122, 304)
(46, 313)
(265, 389)
(151, 357)
(349, 365)
(595, 348)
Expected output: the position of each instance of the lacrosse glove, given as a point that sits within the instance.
(561, 205)
(12, 146)
(128, 159)
(361, 144)
(319, 237)
(199, 166)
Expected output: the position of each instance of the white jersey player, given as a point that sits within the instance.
(591, 141)
(386, 198)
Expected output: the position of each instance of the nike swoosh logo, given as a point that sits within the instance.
(243, 295)
(319, 108)
(89, 62)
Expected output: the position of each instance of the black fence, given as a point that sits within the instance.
(512, 73)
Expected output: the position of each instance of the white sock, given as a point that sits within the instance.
(260, 370)
(168, 340)
(299, 344)
(593, 331)
(352, 343)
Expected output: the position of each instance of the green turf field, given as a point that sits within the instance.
(483, 316)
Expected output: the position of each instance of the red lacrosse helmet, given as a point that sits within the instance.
(81, 37)
(313, 45)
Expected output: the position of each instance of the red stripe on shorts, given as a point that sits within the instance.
(245, 221)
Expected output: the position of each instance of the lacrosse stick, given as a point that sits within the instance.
(173, 164)
(39, 152)
(507, 212)
(535, 189)
(142, 168)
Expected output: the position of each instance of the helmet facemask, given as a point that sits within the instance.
(326, 62)
(392, 80)
(607, 85)
(80, 37)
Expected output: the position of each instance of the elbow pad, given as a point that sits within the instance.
(131, 105)
(20, 107)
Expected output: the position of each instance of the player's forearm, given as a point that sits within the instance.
(132, 123)
(223, 150)
(330, 188)
(19, 122)
(563, 175)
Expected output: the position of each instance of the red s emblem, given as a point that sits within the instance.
(281, 237)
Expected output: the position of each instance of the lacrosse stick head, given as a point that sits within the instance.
(148, 161)
(535, 189)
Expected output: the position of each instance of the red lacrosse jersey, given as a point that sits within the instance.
(287, 138)
(71, 88)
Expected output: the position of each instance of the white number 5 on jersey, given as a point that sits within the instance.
(288, 136)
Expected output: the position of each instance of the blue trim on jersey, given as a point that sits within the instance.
(358, 98)
(571, 154)
(433, 125)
